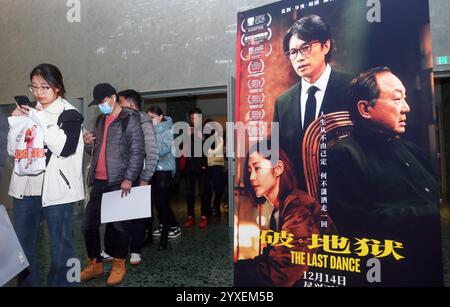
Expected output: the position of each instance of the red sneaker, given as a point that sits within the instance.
(190, 222)
(203, 223)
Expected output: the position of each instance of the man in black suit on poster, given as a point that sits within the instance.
(308, 44)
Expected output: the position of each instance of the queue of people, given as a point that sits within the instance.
(127, 148)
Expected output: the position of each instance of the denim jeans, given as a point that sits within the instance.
(27, 213)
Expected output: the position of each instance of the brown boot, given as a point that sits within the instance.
(92, 270)
(117, 272)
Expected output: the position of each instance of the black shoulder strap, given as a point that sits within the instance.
(125, 122)
(98, 120)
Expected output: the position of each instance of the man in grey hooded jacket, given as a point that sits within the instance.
(132, 99)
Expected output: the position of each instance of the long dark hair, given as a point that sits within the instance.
(158, 111)
(288, 180)
(52, 75)
(155, 109)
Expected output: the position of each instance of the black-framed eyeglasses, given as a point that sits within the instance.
(35, 88)
(305, 49)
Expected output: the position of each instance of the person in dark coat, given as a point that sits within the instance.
(382, 187)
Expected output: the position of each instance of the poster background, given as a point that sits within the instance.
(401, 40)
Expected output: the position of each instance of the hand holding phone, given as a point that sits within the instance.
(88, 137)
(24, 101)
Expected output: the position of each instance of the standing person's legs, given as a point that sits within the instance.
(190, 199)
(155, 209)
(91, 225)
(137, 235)
(156, 204)
(137, 230)
(121, 238)
(190, 193)
(203, 182)
(163, 190)
(163, 200)
(218, 184)
(92, 220)
(26, 220)
(205, 205)
(108, 240)
(171, 219)
(149, 229)
(167, 216)
(171, 229)
(59, 220)
(120, 233)
(209, 188)
(225, 188)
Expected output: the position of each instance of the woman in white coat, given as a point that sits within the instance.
(52, 193)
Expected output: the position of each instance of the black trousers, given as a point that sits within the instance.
(118, 231)
(161, 188)
(216, 186)
(202, 179)
(137, 230)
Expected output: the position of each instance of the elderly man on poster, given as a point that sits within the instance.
(308, 44)
(382, 187)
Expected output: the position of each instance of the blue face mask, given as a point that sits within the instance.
(105, 108)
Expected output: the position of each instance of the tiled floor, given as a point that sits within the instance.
(199, 258)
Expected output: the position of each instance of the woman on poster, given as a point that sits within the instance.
(294, 212)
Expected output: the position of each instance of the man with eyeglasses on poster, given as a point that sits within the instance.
(308, 44)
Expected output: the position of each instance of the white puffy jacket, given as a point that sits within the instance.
(63, 178)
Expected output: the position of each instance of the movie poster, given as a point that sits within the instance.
(342, 91)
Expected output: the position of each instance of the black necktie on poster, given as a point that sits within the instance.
(310, 110)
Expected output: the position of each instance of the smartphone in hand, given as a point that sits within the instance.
(24, 101)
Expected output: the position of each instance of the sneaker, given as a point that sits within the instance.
(157, 232)
(189, 222)
(135, 258)
(174, 232)
(106, 257)
(203, 223)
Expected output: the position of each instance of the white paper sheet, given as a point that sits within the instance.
(134, 206)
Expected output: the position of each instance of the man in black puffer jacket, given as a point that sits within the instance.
(117, 149)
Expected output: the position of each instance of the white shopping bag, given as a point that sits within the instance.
(29, 156)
